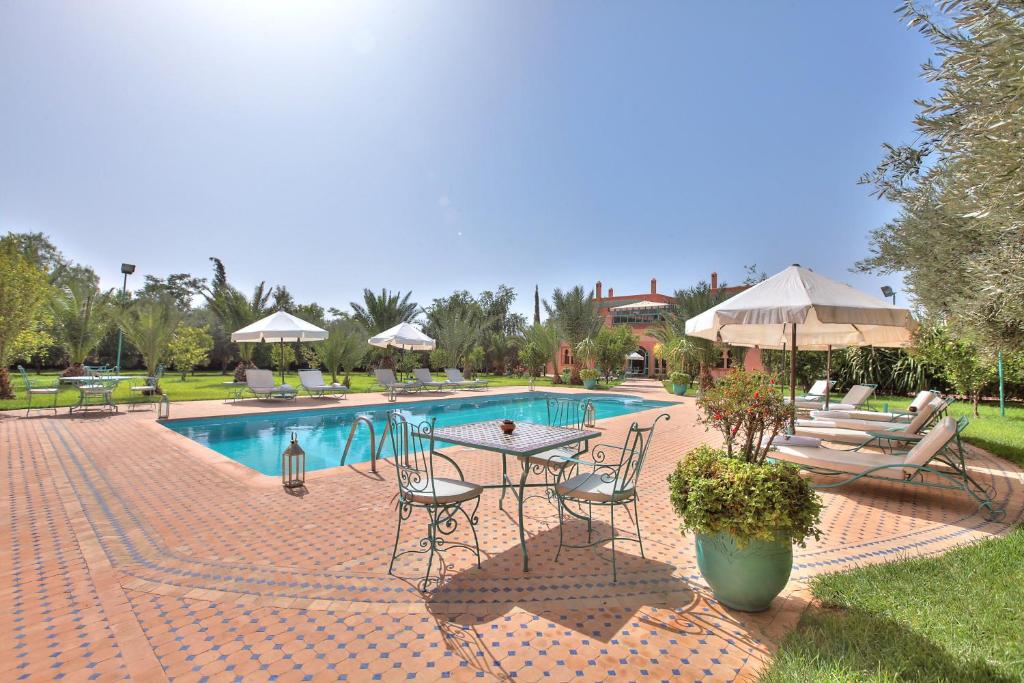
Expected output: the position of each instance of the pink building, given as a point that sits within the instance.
(642, 312)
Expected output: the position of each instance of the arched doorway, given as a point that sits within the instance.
(636, 363)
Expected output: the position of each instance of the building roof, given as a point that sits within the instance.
(640, 305)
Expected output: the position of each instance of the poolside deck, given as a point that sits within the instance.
(131, 552)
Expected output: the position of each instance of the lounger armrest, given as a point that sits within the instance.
(896, 436)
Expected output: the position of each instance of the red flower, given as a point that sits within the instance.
(757, 394)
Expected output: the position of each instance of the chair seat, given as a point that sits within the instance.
(446, 490)
(143, 388)
(49, 390)
(556, 458)
(592, 486)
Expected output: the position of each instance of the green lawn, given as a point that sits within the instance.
(957, 617)
(210, 385)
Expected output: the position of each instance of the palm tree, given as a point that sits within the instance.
(674, 346)
(545, 338)
(344, 347)
(232, 308)
(149, 324)
(378, 313)
(575, 316)
(457, 331)
(82, 314)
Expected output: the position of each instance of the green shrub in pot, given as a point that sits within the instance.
(745, 511)
(589, 377)
(680, 382)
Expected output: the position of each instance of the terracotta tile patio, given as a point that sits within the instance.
(131, 552)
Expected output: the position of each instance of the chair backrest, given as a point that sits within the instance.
(818, 388)
(858, 393)
(413, 450)
(928, 447)
(569, 412)
(634, 452)
(385, 376)
(24, 378)
(311, 378)
(924, 416)
(422, 375)
(454, 374)
(922, 399)
(259, 379)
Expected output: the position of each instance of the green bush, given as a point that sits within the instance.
(714, 493)
(748, 410)
(679, 378)
(589, 373)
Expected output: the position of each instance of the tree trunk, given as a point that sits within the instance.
(574, 376)
(976, 402)
(556, 377)
(5, 384)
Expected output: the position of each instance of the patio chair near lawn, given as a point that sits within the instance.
(386, 378)
(856, 397)
(608, 479)
(261, 384)
(447, 501)
(455, 377)
(864, 433)
(41, 390)
(816, 392)
(920, 401)
(313, 383)
(148, 390)
(934, 456)
(428, 383)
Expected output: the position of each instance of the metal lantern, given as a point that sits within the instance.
(532, 380)
(589, 415)
(293, 465)
(164, 410)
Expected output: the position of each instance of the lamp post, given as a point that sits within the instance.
(887, 292)
(126, 269)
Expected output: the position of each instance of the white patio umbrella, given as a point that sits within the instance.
(279, 327)
(802, 309)
(403, 336)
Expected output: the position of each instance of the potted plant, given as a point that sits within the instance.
(745, 511)
(680, 383)
(589, 377)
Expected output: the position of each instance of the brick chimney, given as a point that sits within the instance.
(611, 292)
(654, 285)
(597, 290)
(714, 282)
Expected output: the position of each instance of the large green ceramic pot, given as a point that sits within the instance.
(680, 389)
(590, 384)
(747, 579)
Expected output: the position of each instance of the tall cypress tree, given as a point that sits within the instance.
(536, 304)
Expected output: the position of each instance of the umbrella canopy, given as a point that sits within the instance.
(403, 336)
(802, 309)
(634, 356)
(279, 327)
(823, 311)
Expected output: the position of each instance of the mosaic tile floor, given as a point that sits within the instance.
(130, 552)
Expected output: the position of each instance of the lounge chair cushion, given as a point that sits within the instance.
(917, 423)
(922, 399)
(853, 462)
(792, 440)
(592, 486)
(445, 491)
(837, 435)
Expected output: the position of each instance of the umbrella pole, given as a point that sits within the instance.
(282, 360)
(792, 380)
(828, 375)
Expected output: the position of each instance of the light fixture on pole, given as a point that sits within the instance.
(126, 269)
(887, 292)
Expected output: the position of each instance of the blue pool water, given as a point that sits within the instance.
(258, 440)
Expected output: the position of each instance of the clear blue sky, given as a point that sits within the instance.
(435, 146)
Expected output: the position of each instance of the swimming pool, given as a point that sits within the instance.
(257, 441)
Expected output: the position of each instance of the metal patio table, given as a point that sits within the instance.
(83, 380)
(528, 439)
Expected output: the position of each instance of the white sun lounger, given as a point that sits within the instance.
(261, 384)
(938, 465)
(868, 432)
(816, 392)
(853, 400)
(920, 401)
(386, 378)
(313, 383)
(455, 377)
(427, 382)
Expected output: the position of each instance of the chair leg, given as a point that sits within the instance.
(561, 523)
(615, 576)
(472, 527)
(398, 533)
(432, 544)
(636, 522)
(590, 522)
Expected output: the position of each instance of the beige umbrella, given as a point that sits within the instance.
(803, 309)
(280, 327)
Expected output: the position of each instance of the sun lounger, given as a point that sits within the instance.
(868, 432)
(313, 383)
(853, 400)
(261, 384)
(455, 377)
(423, 376)
(920, 401)
(386, 378)
(816, 392)
(932, 462)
